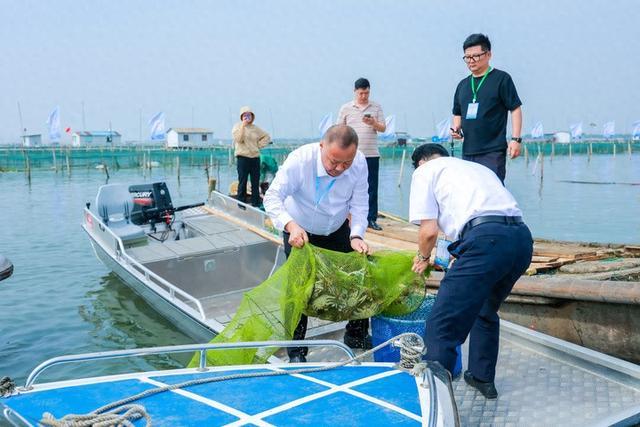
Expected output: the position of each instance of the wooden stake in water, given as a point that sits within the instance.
(55, 164)
(526, 156)
(28, 168)
(404, 154)
(590, 152)
(570, 151)
(541, 173)
(553, 150)
(629, 148)
(68, 165)
(178, 168)
(106, 170)
(212, 187)
(614, 149)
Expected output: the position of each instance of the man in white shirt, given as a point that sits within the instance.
(492, 247)
(316, 189)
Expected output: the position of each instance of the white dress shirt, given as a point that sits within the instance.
(454, 191)
(302, 191)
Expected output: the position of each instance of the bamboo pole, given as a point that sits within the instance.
(404, 154)
(178, 168)
(55, 163)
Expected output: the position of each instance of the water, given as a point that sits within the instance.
(62, 300)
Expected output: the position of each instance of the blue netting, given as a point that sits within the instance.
(386, 327)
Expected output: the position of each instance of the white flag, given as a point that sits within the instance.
(442, 130)
(636, 129)
(390, 132)
(537, 131)
(156, 126)
(325, 124)
(576, 130)
(609, 129)
(54, 125)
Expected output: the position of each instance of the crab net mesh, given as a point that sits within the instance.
(320, 283)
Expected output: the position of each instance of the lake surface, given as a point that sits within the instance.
(62, 300)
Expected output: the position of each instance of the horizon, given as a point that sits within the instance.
(294, 63)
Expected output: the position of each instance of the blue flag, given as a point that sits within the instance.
(156, 125)
(537, 131)
(325, 124)
(443, 130)
(609, 129)
(54, 125)
(390, 132)
(576, 130)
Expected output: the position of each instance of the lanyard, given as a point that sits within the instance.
(473, 85)
(321, 194)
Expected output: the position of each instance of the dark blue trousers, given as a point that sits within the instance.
(373, 165)
(496, 161)
(490, 259)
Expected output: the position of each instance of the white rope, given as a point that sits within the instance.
(411, 350)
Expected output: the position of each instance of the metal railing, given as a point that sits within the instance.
(202, 348)
(148, 276)
(242, 212)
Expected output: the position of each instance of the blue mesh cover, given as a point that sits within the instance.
(386, 327)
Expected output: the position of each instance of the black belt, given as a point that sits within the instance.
(490, 218)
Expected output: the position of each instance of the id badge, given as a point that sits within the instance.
(443, 257)
(472, 110)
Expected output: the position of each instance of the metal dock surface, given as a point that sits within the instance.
(543, 381)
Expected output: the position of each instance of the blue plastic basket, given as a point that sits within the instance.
(386, 327)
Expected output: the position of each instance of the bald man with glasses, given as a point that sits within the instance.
(481, 106)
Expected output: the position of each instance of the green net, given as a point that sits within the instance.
(320, 283)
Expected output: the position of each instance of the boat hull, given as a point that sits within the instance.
(186, 323)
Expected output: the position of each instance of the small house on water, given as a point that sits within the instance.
(95, 138)
(32, 140)
(189, 137)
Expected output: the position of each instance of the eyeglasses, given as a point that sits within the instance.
(473, 58)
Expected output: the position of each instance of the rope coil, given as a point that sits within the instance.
(7, 386)
(410, 344)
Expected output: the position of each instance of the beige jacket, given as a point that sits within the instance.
(249, 139)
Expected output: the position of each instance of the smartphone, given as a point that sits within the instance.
(459, 132)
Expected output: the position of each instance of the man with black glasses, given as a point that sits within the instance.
(480, 109)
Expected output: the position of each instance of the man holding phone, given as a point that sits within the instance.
(367, 119)
(480, 109)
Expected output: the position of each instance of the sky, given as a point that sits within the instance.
(294, 61)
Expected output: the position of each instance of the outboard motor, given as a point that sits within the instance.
(6, 268)
(151, 203)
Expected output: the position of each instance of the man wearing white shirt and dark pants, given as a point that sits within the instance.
(310, 199)
(492, 247)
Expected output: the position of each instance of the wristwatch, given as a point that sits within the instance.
(421, 257)
(518, 140)
(355, 237)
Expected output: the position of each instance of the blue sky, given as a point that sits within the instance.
(295, 61)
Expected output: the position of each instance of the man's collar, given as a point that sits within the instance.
(355, 104)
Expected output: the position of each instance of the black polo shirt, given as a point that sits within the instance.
(497, 96)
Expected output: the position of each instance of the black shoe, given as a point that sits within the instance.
(298, 358)
(488, 390)
(374, 226)
(363, 343)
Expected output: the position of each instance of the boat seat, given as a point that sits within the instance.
(114, 204)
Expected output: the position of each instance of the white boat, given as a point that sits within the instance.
(194, 269)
